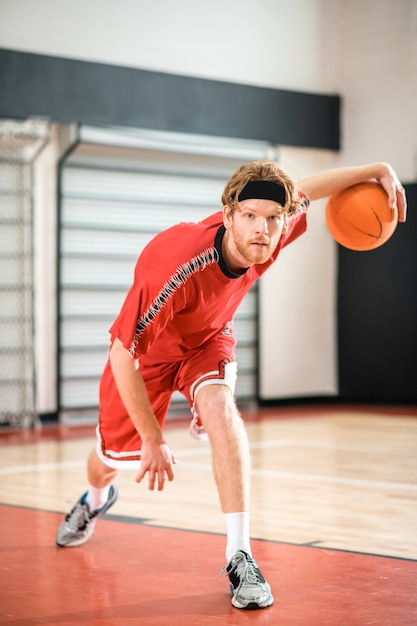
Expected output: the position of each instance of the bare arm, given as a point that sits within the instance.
(330, 181)
(156, 456)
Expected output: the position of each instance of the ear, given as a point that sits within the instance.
(227, 216)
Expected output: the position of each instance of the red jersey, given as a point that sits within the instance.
(183, 295)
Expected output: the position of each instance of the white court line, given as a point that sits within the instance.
(204, 449)
(329, 445)
(306, 443)
(316, 478)
(36, 467)
(311, 478)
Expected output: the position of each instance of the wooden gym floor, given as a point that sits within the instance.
(334, 527)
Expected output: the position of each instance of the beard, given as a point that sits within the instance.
(254, 251)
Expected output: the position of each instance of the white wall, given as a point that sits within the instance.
(365, 50)
(45, 266)
(370, 58)
(275, 43)
(297, 296)
(372, 45)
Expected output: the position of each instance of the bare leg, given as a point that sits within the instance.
(99, 475)
(229, 444)
(231, 467)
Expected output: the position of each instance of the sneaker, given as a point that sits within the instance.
(78, 525)
(249, 588)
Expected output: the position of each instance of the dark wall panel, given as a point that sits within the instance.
(67, 90)
(377, 317)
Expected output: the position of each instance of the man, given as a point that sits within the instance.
(174, 332)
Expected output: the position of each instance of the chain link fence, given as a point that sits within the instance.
(20, 143)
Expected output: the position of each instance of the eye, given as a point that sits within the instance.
(280, 218)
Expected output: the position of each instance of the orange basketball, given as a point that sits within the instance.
(359, 217)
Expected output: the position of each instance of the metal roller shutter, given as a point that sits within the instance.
(119, 189)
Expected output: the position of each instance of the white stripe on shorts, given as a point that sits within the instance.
(213, 378)
(115, 459)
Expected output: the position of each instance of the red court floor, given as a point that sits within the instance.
(335, 507)
(130, 573)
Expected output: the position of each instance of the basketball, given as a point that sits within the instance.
(359, 217)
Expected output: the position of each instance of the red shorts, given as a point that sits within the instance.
(118, 443)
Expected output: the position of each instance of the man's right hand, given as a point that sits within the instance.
(158, 462)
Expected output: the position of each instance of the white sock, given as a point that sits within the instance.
(237, 527)
(96, 497)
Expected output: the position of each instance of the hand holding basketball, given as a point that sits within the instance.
(360, 218)
(395, 191)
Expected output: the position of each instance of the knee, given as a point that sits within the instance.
(214, 404)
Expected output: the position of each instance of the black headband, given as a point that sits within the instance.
(263, 190)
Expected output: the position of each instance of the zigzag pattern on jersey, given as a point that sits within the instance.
(175, 282)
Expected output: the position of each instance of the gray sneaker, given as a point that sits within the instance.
(78, 525)
(249, 588)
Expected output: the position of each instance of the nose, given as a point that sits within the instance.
(262, 225)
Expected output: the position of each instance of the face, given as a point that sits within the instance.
(252, 233)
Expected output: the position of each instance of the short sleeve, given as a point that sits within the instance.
(149, 306)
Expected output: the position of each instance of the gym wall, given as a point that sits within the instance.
(272, 71)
